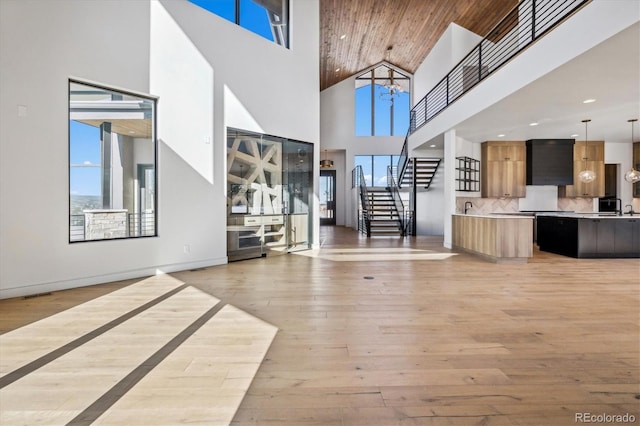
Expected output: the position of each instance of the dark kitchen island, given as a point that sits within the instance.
(589, 235)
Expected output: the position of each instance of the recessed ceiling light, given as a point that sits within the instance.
(343, 36)
(575, 135)
(588, 101)
(432, 146)
(337, 69)
(533, 124)
(501, 135)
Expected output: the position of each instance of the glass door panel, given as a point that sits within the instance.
(255, 222)
(269, 188)
(327, 197)
(269, 185)
(298, 193)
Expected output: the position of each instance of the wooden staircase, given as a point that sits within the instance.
(383, 214)
(425, 170)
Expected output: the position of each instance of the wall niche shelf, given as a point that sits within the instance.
(467, 174)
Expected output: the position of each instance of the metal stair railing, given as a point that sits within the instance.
(358, 181)
(403, 160)
(397, 200)
(527, 22)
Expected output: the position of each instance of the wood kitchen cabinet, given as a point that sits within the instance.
(592, 151)
(591, 156)
(503, 169)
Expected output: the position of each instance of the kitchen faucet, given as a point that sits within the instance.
(466, 209)
(630, 212)
(618, 201)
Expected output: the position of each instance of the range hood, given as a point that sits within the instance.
(550, 161)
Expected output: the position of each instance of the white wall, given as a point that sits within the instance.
(465, 148)
(337, 132)
(454, 44)
(429, 204)
(125, 44)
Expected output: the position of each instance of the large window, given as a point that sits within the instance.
(267, 18)
(382, 102)
(112, 164)
(374, 168)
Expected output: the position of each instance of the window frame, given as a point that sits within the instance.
(153, 139)
(283, 39)
(373, 84)
(393, 159)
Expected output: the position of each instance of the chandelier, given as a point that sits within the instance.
(586, 175)
(632, 175)
(392, 89)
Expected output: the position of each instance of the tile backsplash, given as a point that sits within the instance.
(511, 205)
(578, 205)
(488, 205)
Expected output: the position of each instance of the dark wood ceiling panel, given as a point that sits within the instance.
(410, 27)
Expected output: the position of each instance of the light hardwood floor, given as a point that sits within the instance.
(384, 331)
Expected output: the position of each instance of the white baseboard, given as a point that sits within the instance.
(48, 287)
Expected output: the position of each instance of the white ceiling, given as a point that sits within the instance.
(609, 73)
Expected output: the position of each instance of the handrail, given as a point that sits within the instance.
(358, 180)
(403, 160)
(409, 224)
(395, 194)
(527, 22)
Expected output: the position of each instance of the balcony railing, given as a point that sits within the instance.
(527, 22)
(136, 225)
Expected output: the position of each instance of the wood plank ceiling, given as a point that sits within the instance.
(410, 27)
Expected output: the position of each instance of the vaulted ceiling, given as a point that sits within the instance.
(356, 34)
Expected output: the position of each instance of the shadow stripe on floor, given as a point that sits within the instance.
(17, 374)
(109, 398)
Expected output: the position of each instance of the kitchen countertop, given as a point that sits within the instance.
(497, 216)
(591, 216)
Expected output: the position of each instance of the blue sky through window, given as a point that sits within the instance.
(382, 116)
(84, 156)
(374, 167)
(252, 16)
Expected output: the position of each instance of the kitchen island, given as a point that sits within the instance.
(498, 238)
(589, 235)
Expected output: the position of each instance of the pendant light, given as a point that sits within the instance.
(586, 175)
(632, 175)
(325, 163)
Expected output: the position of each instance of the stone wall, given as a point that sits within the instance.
(105, 224)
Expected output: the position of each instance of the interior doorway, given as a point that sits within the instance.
(327, 197)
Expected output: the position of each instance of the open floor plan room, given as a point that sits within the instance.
(335, 336)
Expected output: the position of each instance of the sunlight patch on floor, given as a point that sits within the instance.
(201, 379)
(375, 254)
